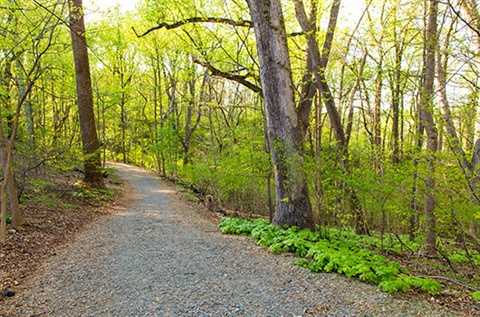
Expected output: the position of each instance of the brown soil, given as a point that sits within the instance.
(50, 223)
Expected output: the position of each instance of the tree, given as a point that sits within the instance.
(285, 134)
(426, 110)
(30, 70)
(319, 64)
(284, 131)
(91, 145)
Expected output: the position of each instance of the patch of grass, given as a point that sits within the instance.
(46, 193)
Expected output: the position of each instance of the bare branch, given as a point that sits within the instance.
(468, 24)
(239, 79)
(243, 23)
(174, 25)
(452, 280)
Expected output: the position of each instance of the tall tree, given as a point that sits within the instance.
(319, 63)
(426, 110)
(284, 132)
(91, 145)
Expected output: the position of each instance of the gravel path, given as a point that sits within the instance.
(160, 258)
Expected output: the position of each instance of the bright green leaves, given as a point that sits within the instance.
(240, 227)
(320, 254)
(404, 282)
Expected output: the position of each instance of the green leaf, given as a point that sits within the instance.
(338, 252)
(431, 286)
(394, 285)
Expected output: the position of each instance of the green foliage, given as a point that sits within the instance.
(44, 192)
(239, 226)
(149, 94)
(336, 253)
(9, 219)
(476, 295)
(237, 178)
(81, 190)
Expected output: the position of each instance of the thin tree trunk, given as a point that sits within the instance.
(27, 107)
(414, 204)
(351, 99)
(426, 109)
(396, 105)
(320, 62)
(8, 182)
(377, 131)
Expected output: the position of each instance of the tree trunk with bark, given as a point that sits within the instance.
(91, 145)
(320, 62)
(8, 185)
(284, 132)
(426, 109)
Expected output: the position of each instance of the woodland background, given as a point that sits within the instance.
(185, 100)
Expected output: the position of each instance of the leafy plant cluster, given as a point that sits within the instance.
(324, 254)
(397, 244)
(81, 190)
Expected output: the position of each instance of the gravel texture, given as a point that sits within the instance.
(158, 257)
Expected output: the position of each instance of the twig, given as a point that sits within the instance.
(403, 244)
(448, 260)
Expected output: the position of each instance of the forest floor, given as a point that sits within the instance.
(52, 217)
(60, 215)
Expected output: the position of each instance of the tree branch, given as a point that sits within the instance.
(239, 79)
(468, 24)
(243, 23)
(175, 25)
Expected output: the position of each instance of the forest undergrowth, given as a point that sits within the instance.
(56, 205)
(391, 261)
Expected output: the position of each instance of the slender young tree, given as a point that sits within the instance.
(426, 110)
(320, 61)
(91, 145)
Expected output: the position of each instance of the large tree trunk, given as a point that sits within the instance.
(426, 109)
(284, 131)
(91, 145)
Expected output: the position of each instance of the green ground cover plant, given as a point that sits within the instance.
(323, 251)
